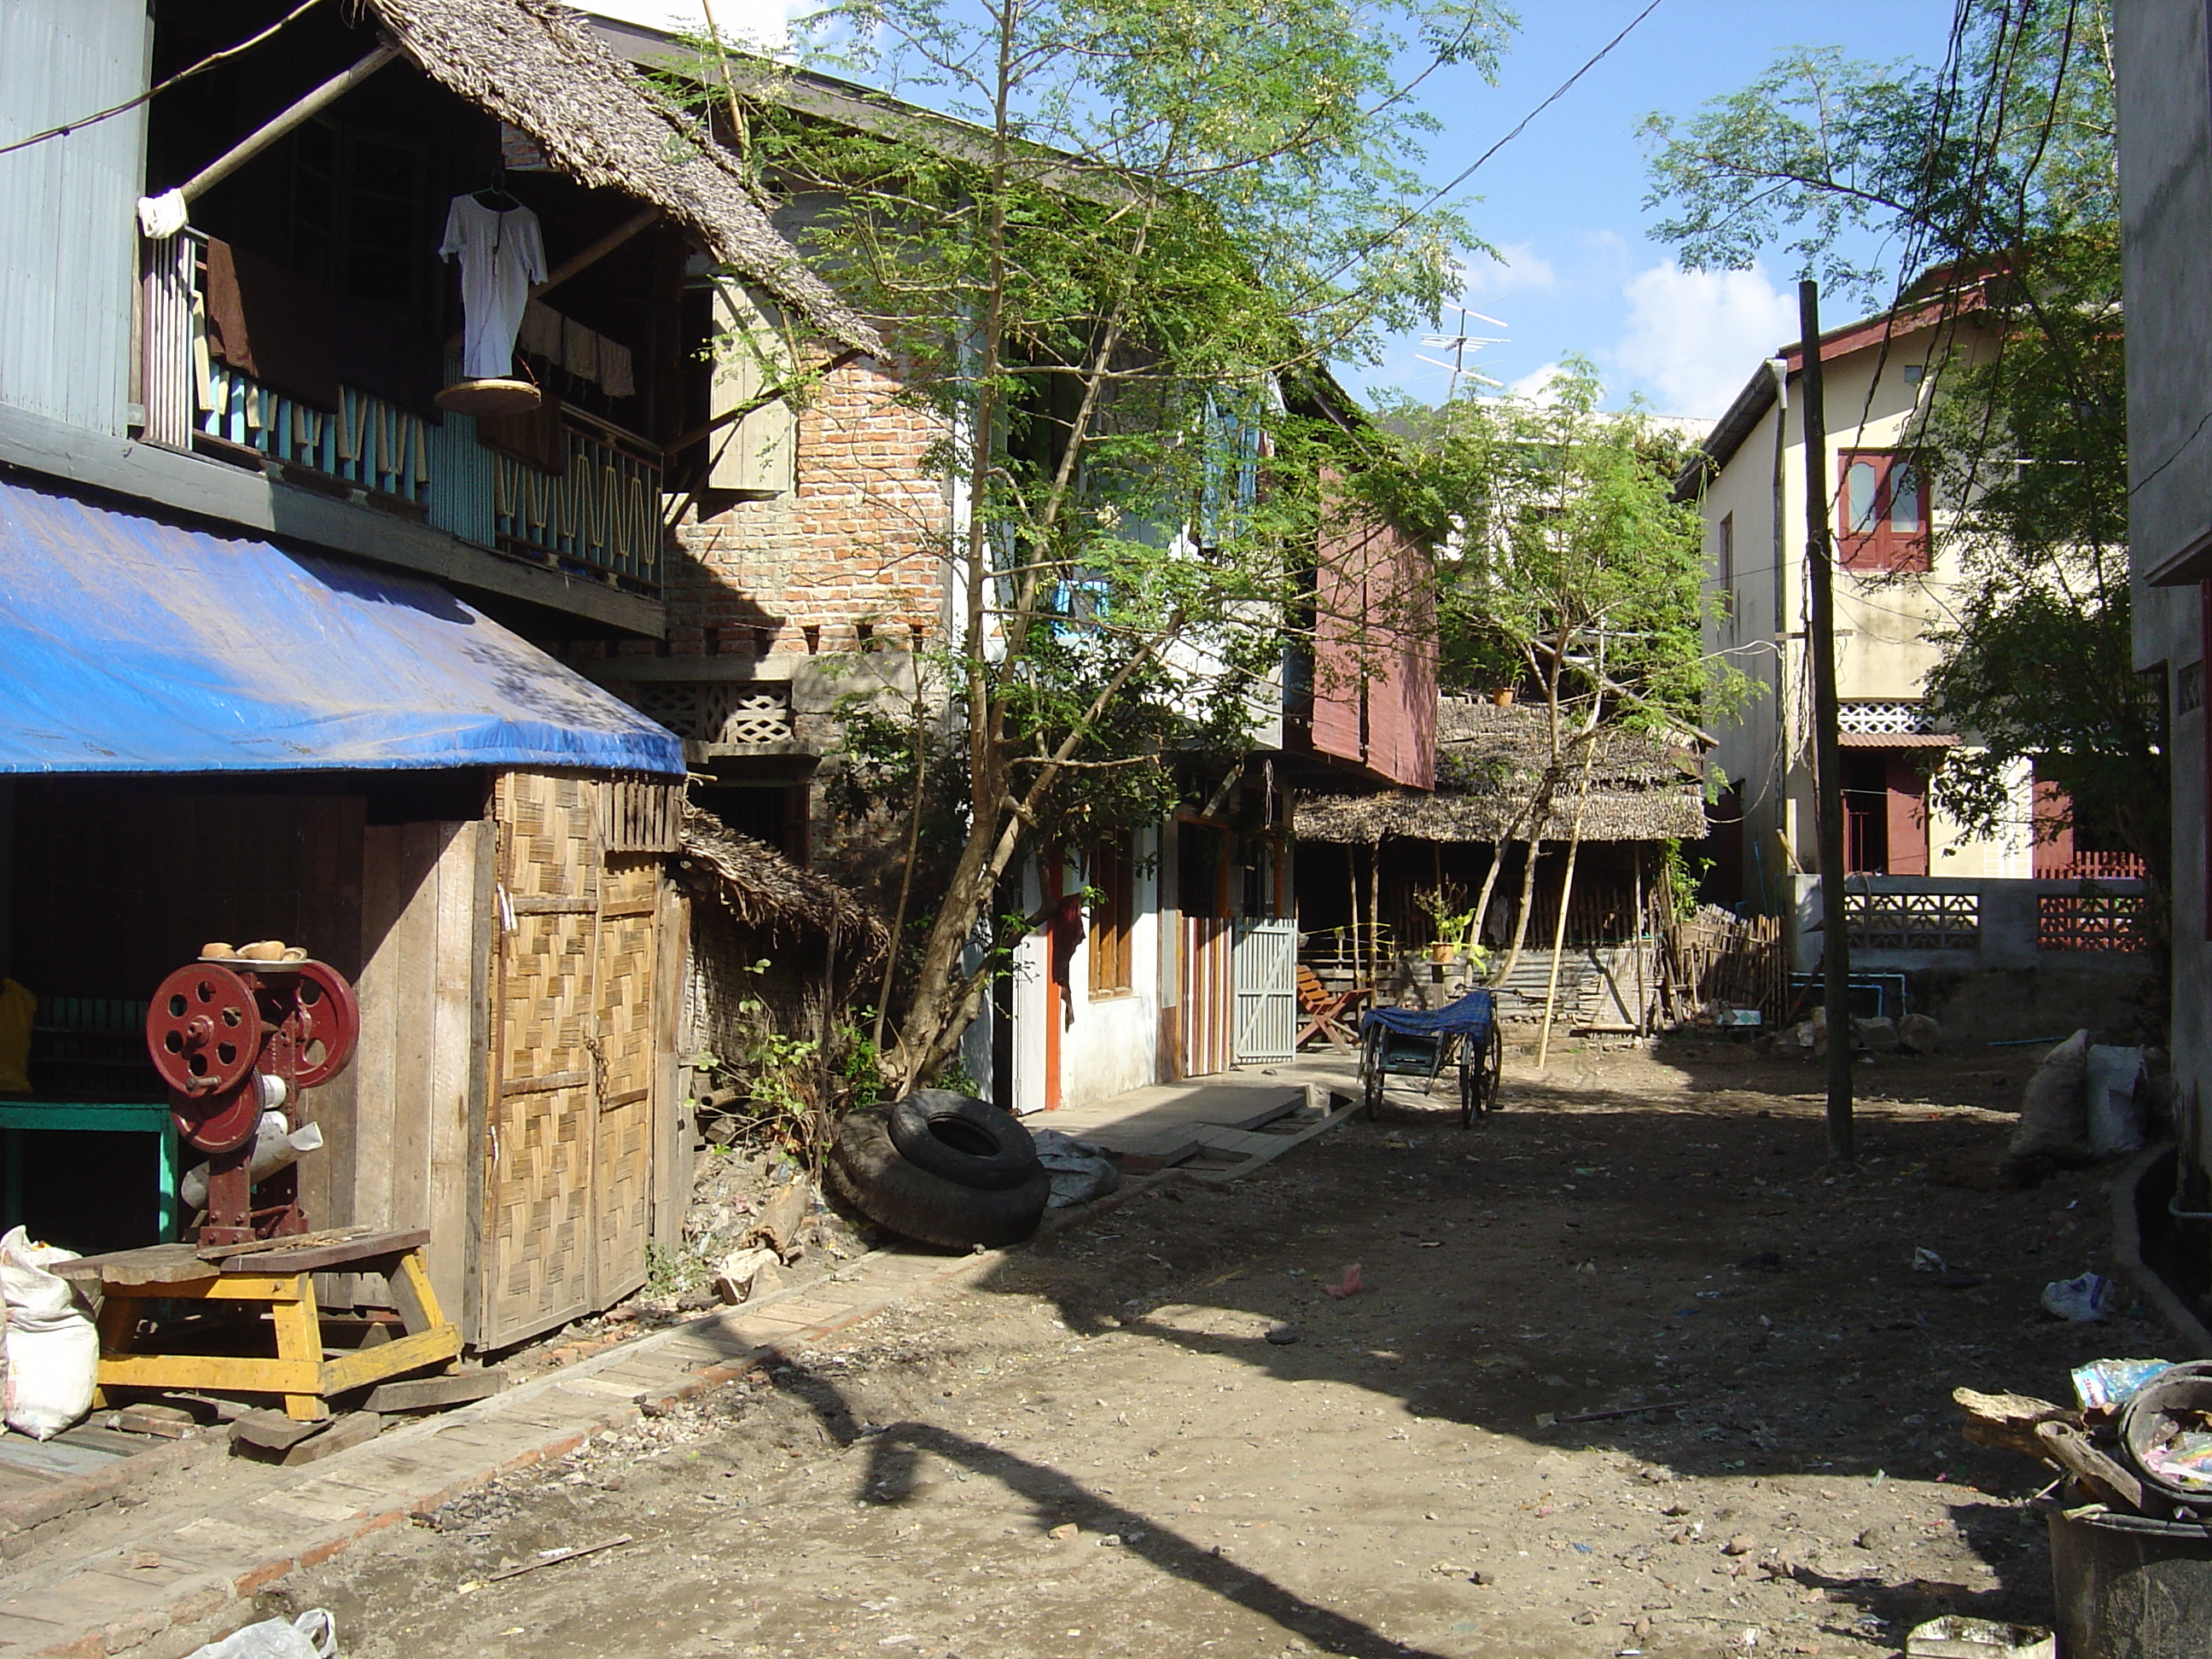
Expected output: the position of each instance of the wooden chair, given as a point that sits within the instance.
(1326, 1011)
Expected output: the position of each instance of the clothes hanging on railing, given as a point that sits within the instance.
(277, 327)
(501, 254)
(566, 344)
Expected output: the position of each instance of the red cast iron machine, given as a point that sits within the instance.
(233, 1040)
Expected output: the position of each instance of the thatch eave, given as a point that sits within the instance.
(540, 67)
(759, 888)
(1412, 815)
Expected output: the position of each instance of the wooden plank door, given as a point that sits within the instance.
(537, 1256)
(625, 1051)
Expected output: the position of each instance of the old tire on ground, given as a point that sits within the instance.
(872, 1175)
(969, 1142)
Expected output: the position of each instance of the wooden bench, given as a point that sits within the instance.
(276, 1276)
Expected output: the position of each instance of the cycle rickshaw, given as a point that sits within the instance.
(1420, 1042)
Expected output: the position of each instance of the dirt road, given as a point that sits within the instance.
(1158, 1433)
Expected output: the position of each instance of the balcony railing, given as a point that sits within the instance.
(599, 517)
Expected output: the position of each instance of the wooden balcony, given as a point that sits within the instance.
(599, 517)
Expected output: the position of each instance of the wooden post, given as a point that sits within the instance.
(1567, 881)
(1374, 913)
(1643, 922)
(1827, 752)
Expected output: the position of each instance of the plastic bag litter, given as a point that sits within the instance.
(2088, 1299)
(1348, 1283)
(2116, 1120)
(312, 1635)
(2105, 1385)
(1080, 1170)
(52, 1346)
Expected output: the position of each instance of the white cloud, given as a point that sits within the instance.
(1515, 268)
(1535, 387)
(1694, 336)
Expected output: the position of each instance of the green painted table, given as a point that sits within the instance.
(120, 1117)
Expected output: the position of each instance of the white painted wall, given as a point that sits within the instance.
(1883, 621)
(1108, 1044)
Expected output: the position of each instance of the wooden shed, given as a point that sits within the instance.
(474, 834)
(520, 983)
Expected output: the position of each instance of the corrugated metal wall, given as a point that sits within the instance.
(69, 236)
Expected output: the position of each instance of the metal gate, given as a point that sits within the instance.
(1267, 978)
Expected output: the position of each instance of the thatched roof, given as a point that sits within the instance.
(1490, 762)
(762, 889)
(540, 68)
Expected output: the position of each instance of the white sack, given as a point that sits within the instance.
(52, 1346)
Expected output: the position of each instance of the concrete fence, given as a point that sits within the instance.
(1971, 924)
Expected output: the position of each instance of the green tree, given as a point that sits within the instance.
(1114, 258)
(1995, 177)
(1571, 569)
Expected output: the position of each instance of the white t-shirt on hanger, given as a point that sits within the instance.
(502, 255)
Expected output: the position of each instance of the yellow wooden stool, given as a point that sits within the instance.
(280, 1274)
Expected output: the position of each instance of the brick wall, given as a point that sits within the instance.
(858, 548)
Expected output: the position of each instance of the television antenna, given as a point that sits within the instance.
(1457, 344)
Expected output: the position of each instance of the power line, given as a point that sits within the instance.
(207, 63)
(1522, 125)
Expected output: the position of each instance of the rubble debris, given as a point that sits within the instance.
(1917, 1033)
(553, 1557)
(169, 1422)
(422, 1394)
(779, 1223)
(739, 1276)
(1955, 1637)
(2008, 1421)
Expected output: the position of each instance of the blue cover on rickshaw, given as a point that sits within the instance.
(1470, 1016)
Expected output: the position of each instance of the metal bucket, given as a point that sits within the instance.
(2129, 1587)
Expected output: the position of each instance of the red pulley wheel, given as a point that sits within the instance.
(325, 1024)
(227, 1119)
(203, 1030)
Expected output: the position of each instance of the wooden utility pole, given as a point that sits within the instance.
(1827, 751)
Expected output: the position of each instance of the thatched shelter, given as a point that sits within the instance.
(539, 67)
(761, 889)
(751, 905)
(1490, 763)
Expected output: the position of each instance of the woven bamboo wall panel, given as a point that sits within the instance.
(550, 836)
(537, 1199)
(545, 996)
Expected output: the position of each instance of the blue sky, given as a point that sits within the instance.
(1564, 202)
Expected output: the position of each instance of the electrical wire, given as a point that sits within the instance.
(207, 63)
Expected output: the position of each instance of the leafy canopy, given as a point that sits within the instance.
(1993, 176)
(1114, 242)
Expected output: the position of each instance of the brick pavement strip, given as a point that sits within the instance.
(286, 1520)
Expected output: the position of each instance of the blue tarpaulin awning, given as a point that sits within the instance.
(131, 645)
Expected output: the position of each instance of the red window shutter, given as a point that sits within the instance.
(1882, 503)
